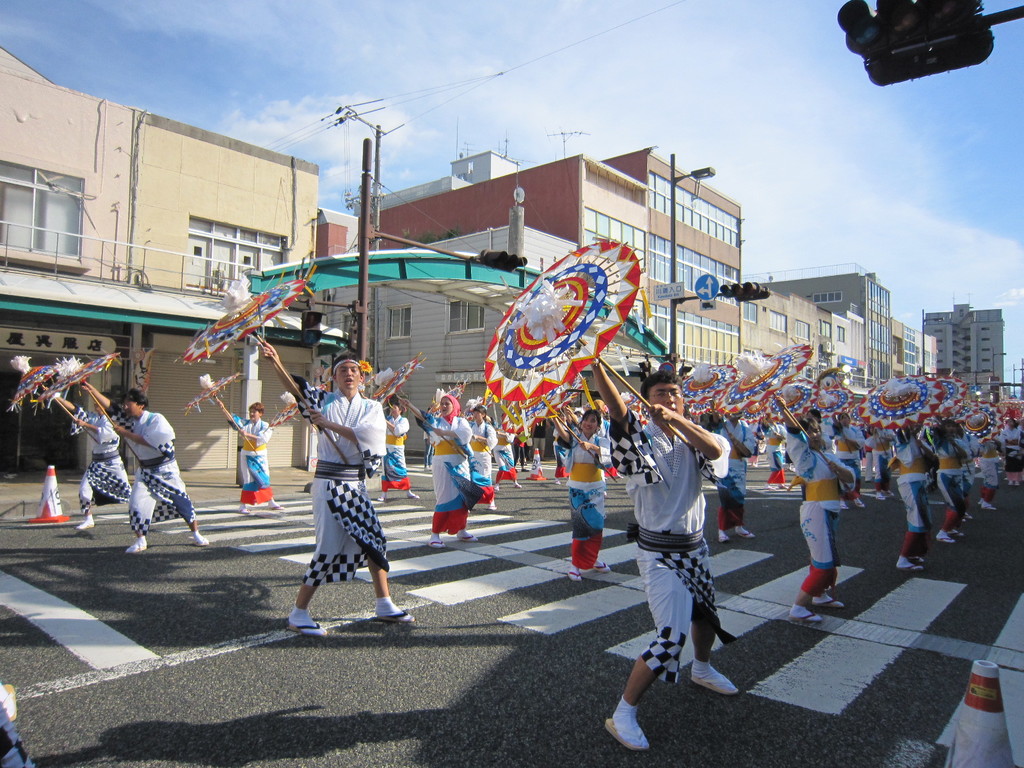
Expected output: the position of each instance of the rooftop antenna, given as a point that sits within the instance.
(566, 136)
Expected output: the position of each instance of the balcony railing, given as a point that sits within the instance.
(36, 250)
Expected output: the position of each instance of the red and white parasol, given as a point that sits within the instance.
(760, 377)
(902, 402)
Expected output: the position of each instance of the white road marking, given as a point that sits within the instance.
(551, 618)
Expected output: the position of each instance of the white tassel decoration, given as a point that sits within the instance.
(205, 381)
(287, 398)
(751, 364)
(237, 295)
(701, 373)
(542, 313)
(20, 364)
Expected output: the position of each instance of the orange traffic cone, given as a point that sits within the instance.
(981, 739)
(537, 471)
(49, 504)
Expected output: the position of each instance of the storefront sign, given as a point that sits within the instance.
(29, 341)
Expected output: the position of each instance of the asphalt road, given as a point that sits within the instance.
(509, 663)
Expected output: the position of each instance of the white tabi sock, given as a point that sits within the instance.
(386, 608)
(700, 668)
(299, 617)
(625, 710)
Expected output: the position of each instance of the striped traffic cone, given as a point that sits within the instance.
(981, 739)
(537, 471)
(49, 504)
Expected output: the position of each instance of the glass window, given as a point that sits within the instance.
(825, 329)
(40, 210)
(840, 333)
(399, 322)
(222, 253)
(801, 329)
(750, 311)
(463, 316)
(777, 321)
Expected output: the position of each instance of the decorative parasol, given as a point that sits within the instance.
(240, 322)
(902, 402)
(705, 384)
(832, 400)
(954, 393)
(291, 408)
(759, 377)
(72, 371)
(560, 324)
(32, 379)
(211, 390)
(979, 420)
(797, 396)
(391, 381)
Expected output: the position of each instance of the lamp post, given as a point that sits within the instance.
(699, 175)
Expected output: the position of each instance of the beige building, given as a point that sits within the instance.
(119, 231)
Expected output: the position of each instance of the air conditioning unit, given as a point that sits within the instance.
(825, 347)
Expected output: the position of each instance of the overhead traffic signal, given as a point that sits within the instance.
(905, 39)
(744, 291)
(311, 330)
(501, 260)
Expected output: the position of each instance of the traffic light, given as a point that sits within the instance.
(744, 291)
(905, 39)
(504, 260)
(311, 330)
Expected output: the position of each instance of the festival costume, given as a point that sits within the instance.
(105, 480)
(348, 532)
(848, 443)
(158, 492)
(664, 481)
(396, 474)
(450, 457)
(775, 439)
(988, 463)
(951, 483)
(255, 468)
(1012, 440)
(732, 488)
(880, 444)
(484, 439)
(505, 459)
(819, 513)
(913, 486)
(586, 497)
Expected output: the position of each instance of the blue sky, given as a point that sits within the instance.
(918, 182)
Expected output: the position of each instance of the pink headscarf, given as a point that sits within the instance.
(456, 408)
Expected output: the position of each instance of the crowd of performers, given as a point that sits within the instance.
(663, 462)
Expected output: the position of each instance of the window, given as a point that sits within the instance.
(801, 329)
(692, 210)
(599, 226)
(840, 334)
(221, 253)
(825, 329)
(40, 210)
(463, 316)
(750, 311)
(399, 322)
(777, 321)
(827, 297)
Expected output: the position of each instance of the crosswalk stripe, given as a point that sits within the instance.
(234, 535)
(431, 562)
(1012, 636)
(488, 585)
(240, 524)
(88, 638)
(474, 520)
(829, 676)
(783, 589)
(913, 605)
(734, 623)
(555, 617)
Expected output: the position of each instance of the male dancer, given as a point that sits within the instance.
(350, 431)
(664, 480)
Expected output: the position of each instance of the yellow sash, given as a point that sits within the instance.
(250, 445)
(949, 462)
(585, 473)
(395, 439)
(444, 448)
(477, 445)
(823, 490)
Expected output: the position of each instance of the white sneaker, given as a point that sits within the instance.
(139, 545)
(85, 524)
(199, 540)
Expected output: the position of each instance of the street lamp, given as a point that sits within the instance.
(699, 174)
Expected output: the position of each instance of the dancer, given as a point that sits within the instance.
(1012, 441)
(482, 443)
(819, 512)
(158, 492)
(849, 441)
(450, 434)
(586, 455)
(396, 474)
(664, 481)
(505, 459)
(732, 489)
(952, 456)
(988, 463)
(105, 480)
(880, 443)
(909, 455)
(350, 444)
(775, 441)
(255, 434)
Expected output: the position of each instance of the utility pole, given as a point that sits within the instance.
(365, 230)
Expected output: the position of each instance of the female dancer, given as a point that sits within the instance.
(1012, 440)
(396, 475)
(506, 460)
(586, 456)
(255, 434)
(450, 435)
(483, 441)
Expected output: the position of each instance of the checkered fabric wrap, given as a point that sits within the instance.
(632, 454)
(324, 569)
(662, 656)
(108, 481)
(172, 501)
(351, 506)
(372, 463)
(120, 416)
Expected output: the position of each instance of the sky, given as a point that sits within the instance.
(918, 182)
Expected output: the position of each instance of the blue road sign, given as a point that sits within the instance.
(706, 286)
